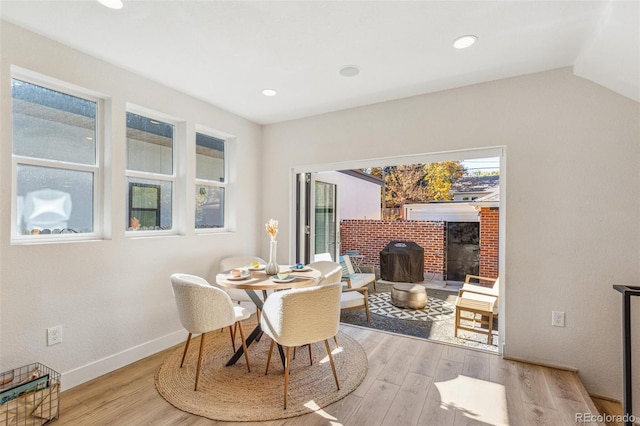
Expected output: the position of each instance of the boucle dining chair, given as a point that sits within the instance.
(203, 308)
(238, 296)
(199, 280)
(239, 262)
(301, 316)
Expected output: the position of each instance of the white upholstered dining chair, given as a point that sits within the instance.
(239, 262)
(203, 308)
(301, 316)
(238, 296)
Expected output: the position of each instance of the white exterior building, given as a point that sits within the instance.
(358, 196)
(444, 212)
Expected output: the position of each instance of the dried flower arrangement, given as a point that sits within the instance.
(272, 228)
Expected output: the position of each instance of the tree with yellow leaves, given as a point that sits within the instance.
(419, 182)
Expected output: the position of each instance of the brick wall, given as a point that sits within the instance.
(489, 242)
(369, 237)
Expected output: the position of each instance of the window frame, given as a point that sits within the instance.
(213, 183)
(97, 169)
(151, 176)
(158, 208)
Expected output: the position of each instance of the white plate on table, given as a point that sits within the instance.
(244, 276)
(275, 279)
(259, 268)
(304, 269)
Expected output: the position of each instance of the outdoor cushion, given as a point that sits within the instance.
(356, 280)
(351, 299)
(493, 293)
(478, 301)
(360, 280)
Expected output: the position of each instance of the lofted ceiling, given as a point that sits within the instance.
(227, 52)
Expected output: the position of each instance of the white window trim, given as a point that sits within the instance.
(154, 115)
(97, 169)
(228, 140)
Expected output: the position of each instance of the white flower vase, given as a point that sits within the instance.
(272, 266)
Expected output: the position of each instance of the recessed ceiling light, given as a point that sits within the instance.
(464, 41)
(349, 71)
(111, 4)
(269, 92)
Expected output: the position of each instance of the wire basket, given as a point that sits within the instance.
(29, 396)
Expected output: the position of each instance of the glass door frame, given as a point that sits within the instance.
(428, 157)
(305, 218)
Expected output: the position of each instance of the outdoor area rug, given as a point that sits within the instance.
(436, 309)
(233, 394)
(436, 323)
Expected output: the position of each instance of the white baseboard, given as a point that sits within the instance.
(106, 365)
(540, 363)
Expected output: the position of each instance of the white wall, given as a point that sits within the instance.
(113, 296)
(569, 143)
(566, 139)
(357, 198)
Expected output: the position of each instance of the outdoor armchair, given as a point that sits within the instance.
(357, 279)
(476, 288)
(351, 298)
(481, 303)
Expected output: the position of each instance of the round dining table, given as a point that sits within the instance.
(255, 279)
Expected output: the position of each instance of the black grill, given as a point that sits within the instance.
(402, 261)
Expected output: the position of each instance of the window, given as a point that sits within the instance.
(210, 182)
(55, 161)
(150, 176)
(144, 204)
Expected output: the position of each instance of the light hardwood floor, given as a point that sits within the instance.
(611, 409)
(410, 382)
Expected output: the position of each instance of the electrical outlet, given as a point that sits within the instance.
(54, 335)
(557, 319)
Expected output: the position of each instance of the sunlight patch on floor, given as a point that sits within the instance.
(334, 352)
(478, 400)
(320, 412)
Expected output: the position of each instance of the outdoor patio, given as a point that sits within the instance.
(436, 322)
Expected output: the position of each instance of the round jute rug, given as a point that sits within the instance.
(233, 394)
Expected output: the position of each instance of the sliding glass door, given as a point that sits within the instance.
(318, 222)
